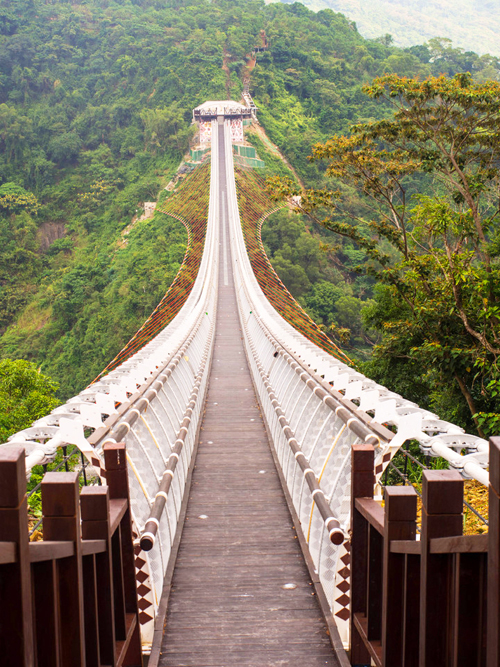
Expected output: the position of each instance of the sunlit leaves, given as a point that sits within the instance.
(434, 249)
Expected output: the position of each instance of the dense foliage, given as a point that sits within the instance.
(25, 395)
(472, 25)
(435, 256)
(95, 111)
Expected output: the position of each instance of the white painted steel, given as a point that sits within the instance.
(290, 374)
(175, 365)
(296, 370)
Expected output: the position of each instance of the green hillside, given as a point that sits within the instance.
(471, 24)
(95, 117)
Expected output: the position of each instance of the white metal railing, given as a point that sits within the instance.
(379, 405)
(316, 408)
(160, 394)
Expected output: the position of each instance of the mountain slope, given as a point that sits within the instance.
(472, 25)
(96, 103)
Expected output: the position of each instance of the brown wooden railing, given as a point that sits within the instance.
(69, 600)
(433, 602)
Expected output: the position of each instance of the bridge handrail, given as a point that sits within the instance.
(436, 437)
(70, 598)
(153, 402)
(124, 385)
(313, 426)
(404, 591)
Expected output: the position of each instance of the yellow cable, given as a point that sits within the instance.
(151, 432)
(321, 474)
(138, 478)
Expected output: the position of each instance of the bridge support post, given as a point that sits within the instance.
(442, 516)
(493, 610)
(15, 572)
(100, 637)
(124, 582)
(362, 484)
(401, 579)
(64, 602)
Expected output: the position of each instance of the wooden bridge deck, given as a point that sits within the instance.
(227, 605)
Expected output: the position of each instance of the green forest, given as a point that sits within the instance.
(95, 117)
(471, 24)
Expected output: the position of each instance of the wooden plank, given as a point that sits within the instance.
(16, 615)
(375, 570)
(94, 503)
(468, 649)
(493, 613)
(372, 511)
(90, 594)
(8, 552)
(122, 646)
(122, 554)
(373, 647)
(362, 483)
(411, 611)
(460, 544)
(442, 505)
(40, 551)
(227, 604)
(61, 520)
(117, 508)
(90, 547)
(46, 613)
(405, 547)
(400, 524)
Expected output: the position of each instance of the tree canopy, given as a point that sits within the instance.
(25, 395)
(95, 112)
(430, 231)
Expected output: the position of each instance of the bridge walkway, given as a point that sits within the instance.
(227, 606)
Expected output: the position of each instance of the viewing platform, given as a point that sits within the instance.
(222, 108)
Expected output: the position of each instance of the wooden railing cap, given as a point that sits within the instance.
(60, 494)
(94, 503)
(115, 456)
(362, 457)
(443, 491)
(400, 503)
(12, 476)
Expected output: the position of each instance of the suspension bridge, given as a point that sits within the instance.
(237, 519)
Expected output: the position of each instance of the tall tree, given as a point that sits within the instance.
(429, 227)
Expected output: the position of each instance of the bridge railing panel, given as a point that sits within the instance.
(317, 409)
(311, 431)
(427, 601)
(153, 402)
(70, 599)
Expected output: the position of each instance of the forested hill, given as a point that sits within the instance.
(473, 25)
(95, 112)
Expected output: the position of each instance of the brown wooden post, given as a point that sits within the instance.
(468, 629)
(442, 516)
(115, 462)
(362, 484)
(61, 521)
(400, 524)
(411, 645)
(16, 624)
(94, 503)
(493, 608)
(375, 578)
